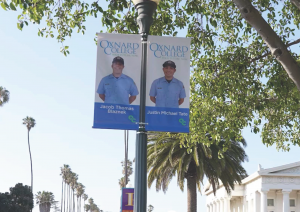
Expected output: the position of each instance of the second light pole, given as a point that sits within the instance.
(145, 9)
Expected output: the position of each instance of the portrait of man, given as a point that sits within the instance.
(117, 87)
(167, 91)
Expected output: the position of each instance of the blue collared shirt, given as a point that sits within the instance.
(167, 94)
(117, 91)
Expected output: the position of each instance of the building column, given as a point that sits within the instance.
(211, 207)
(218, 205)
(244, 203)
(222, 204)
(227, 204)
(263, 200)
(286, 199)
(255, 202)
(214, 206)
(207, 208)
(298, 201)
(278, 200)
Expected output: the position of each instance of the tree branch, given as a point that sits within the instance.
(277, 47)
(296, 3)
(268, 53)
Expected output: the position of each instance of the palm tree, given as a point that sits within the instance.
(166, 159)
(85, 197)
(79, 193)
(4, 96)
(127, 172)
(73, 185)
(68, 182)
(87, 207)
(150, 208)
(30, 123)
(45, 200)
(64, 171)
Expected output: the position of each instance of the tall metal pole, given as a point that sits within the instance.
(145, 9)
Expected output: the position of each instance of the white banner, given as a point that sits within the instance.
(117, 84)
(168, 84)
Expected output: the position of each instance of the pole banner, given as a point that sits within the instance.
(168, 84)
(117, 81)
(127, 199)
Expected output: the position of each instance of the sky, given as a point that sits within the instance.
(58, 92)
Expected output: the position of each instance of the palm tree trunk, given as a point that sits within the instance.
(126, 155)
(68, 197)
(62, 194)
(65, 199)
(30, 164)
(73, 202)
(191, 194)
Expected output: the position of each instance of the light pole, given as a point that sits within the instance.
(145, 9)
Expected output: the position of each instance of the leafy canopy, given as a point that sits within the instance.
(19, 199)
(235, 81)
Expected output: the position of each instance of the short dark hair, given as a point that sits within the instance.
(118, 59)
(169, 63)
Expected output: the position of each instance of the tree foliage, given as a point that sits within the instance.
(45, 200)
(19, 199)
(150, 208)
(71, 188)
(235, 82)
(122, 181)
(168, 156)
(4, 96)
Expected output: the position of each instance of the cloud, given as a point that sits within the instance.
(171, 211)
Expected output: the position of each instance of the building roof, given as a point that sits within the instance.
(288, 170)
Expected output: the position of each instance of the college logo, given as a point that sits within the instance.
(112, 47)
(161, 50)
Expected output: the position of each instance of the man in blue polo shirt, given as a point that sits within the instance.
(167, 91)
(117, 87)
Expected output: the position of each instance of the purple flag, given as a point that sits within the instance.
(127, 199)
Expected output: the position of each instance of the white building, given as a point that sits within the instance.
(267, 190)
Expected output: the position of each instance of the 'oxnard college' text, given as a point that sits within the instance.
(111, 47)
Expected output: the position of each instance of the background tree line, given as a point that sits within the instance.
(73, 192)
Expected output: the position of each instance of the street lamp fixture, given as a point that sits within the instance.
(145, 9)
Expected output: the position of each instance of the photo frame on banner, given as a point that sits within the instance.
(117, 95)
(168, 84)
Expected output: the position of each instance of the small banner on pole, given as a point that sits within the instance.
(168, 84)
(127, 200)
(117, 86)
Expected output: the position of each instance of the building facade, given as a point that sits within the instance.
(267, 190)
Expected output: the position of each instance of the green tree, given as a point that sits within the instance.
(19, 199)
(79, 194)
(4, 96)
(73, 185)
(45, 200)
(87, 207)
(169, 156)
(64, 173)
(243, 65)
(150, 208)
(122, 181)
(29, 122)
(4, 201)
(85, 197)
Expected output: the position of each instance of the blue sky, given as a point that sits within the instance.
(58, 92)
